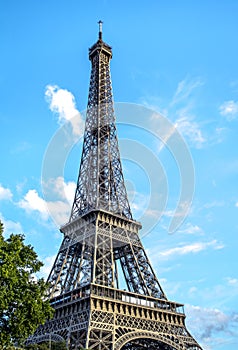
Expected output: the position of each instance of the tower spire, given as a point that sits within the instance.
(100, 29)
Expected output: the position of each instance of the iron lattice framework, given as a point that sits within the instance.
(101, 237)
(100, 182)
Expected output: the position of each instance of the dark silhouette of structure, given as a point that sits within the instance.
(100, 238)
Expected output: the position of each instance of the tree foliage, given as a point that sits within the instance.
(47, 346)
(22, 307)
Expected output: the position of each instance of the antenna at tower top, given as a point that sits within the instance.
(100, 29)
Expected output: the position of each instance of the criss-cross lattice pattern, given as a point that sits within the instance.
(92, 250)
(111, 319)
(100, 183)
(100, 240)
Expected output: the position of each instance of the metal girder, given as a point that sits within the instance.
(90, 309)
(100, 183)
(93, 258)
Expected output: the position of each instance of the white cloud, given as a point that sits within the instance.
(154, 213)
(59, 197)
(190, 130)
(185, 122)
(5, 193)
(184, 125)
(46, 268)
(192, 290)
(164, 129)
(138, 202)
(57, 188)
(191, 229)
(232, 281)
(214, 204)
(57, 204)
(211, 327)
(33, 202)
(183, 210)
(69, 190)
(11, 226)
(219, 135)
(191, 248)
(59, 211)
(184, 89)
(224, 293)
(229, 109)
(166, 136)
(62, 102)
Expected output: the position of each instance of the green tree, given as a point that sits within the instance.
(46, 346)
(22, 306)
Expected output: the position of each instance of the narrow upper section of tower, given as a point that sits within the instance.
(100, 183)
(100, 46)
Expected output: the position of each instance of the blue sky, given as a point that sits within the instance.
(177, 58)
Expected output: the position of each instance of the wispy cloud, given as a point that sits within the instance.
(138, 201)
(232, 281)
(153, 213)
(166, 136)
(5, 193)
(62, 102)
(181, 110)
(190, 129)
(183, 210)
(219, 135)
(229, 109)
(21, 147)
(185, 89)
(218, 295)
(191, 229)
(191, 248)
(212, 327)
(214, 204)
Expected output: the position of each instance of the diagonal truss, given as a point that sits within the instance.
(91, 311)
(93, 247)
(100, 183)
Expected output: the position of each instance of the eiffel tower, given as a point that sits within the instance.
(101, 237)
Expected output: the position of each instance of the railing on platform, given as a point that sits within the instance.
(117, 295)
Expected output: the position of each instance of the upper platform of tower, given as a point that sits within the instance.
(100, 46)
